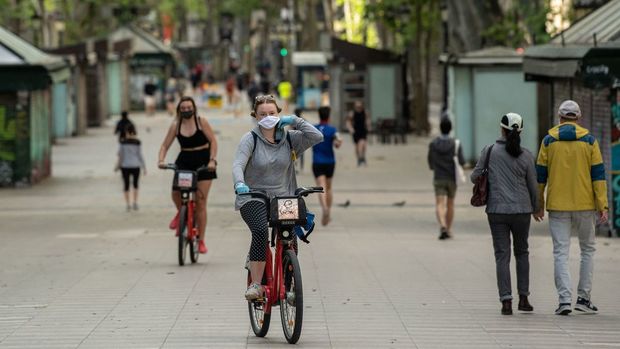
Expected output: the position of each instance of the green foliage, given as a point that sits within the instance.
(21, 12)
(400, 17)
(524, 24)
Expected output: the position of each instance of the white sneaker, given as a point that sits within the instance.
(253, 292)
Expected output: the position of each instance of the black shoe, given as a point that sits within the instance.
(563, 309)
(585, 306)
(524, 304)
(507, 307)
(443, 234)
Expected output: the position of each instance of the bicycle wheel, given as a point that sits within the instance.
(292, 307)
(182, 230)
(193, 245)
(259, 320)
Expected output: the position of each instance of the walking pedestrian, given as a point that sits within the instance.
(441, 153)
(285, 91)
(149, 97)
(358, 124)
(130, 160)
(570, 167)
(121, 126)
(324, 161)
(198, 149)
(172, 91)
(511, 200)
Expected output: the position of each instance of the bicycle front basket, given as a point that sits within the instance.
(289, 210)
(184, 180)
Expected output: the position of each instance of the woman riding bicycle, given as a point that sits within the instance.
(265, 161)
(198, 149)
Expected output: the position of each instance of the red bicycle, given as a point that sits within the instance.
(187, 229)
(281, 282)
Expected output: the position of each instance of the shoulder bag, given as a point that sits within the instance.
(481, 184)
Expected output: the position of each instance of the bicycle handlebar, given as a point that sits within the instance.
(299, 192)
(174, 167)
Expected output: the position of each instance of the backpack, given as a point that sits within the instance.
(288, 140)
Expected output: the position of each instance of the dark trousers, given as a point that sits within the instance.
(501, 227)
(133, 172)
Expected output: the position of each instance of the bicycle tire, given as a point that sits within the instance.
(258, 319)
(292, 307)
(193, 245)
(181, 230)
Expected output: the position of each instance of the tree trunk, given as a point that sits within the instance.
(467, 20)
(419, 103)
(329, 16)
(310, 38)
(181, 23)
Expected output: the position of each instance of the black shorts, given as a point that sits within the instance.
(326, 170)
(192, 160)
(358, 136)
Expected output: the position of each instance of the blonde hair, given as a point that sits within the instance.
(264, 99)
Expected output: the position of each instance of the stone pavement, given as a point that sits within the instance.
(77, 271)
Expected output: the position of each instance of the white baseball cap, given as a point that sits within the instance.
(569, 110)
(512, 121)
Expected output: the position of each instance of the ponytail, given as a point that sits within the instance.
(513, 142)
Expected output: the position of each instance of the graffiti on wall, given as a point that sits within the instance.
(615, 158)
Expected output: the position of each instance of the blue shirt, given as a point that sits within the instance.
(323, 153)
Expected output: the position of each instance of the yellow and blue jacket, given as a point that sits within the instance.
(570, 165)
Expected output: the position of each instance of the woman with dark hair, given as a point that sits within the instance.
(198, 148)
(511, 199)
(130, 160)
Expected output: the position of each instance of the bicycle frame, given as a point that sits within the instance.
(274, 273)
(186, 183)
(188, 200)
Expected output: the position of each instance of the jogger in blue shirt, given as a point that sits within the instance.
(324, 161)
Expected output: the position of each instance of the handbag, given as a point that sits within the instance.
(481, 184)
(458, 169)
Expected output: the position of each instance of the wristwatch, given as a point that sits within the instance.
(213, 159)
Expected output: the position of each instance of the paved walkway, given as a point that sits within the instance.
(77, 271)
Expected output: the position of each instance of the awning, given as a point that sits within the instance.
(597, 66)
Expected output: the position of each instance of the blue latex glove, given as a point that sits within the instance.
(241, 188)
(286, 120)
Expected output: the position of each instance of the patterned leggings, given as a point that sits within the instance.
(254, 213)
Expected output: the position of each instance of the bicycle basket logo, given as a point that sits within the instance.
(288, 209)
(184, 180)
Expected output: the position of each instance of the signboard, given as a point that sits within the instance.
(600, 67)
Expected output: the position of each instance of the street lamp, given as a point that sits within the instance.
(444, 22)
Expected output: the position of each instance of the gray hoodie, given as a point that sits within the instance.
(270, 168)
(513, 188)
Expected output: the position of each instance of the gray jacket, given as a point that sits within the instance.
(512, 181)
(130, 154)
(270, 168)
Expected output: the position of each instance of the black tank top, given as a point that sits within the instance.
(198, 139)
(359, 121)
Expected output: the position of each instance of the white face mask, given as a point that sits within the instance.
(269, 122)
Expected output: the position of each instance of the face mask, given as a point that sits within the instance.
(186, 114)
(269, 122)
